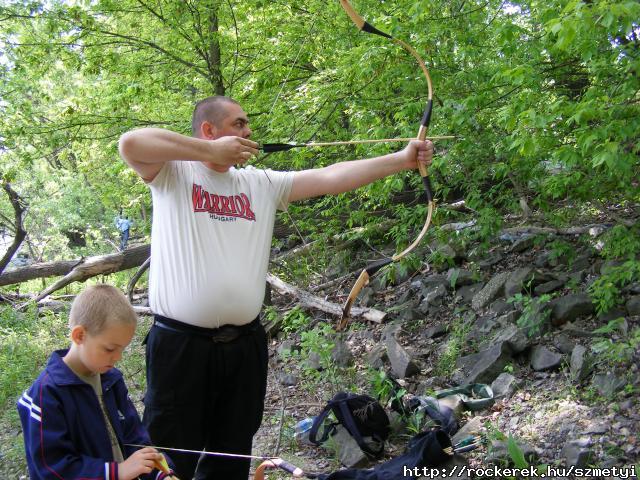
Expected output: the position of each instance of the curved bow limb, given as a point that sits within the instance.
(372, 268)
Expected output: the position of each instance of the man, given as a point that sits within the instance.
(211, 237)
(123, 224)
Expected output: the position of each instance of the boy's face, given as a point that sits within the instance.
(99, 353)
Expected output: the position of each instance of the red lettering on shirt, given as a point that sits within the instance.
(237, 206)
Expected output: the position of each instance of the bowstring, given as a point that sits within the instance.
(283, 83)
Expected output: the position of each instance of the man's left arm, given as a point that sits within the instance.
(345, 176)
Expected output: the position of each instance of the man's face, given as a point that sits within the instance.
(235, 123)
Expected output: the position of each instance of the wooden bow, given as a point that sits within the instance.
(372, 268)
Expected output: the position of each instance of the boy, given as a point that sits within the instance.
(77, 417)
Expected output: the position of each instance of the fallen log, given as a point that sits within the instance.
(308, 300)
(100, 265)
(110, 263)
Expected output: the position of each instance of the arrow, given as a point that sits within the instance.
(280, 147)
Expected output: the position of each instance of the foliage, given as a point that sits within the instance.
(455, 342)
(542, 97)
(560, 249)
(26, 342)
(319, 341)
(382, 387)
(621, 243)
(616, 351)
(605, 291)
(516, 453)
(535, 312)
(294, 320)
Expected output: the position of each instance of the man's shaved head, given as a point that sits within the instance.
(210, 109)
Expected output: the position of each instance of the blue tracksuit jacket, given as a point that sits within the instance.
(65, 434)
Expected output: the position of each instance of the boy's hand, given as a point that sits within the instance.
(141, 462)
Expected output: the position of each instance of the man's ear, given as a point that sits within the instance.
(208, 130)
(78, 334)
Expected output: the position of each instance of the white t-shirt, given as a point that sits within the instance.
(211, 238)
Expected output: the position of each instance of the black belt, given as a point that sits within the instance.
(223, 334)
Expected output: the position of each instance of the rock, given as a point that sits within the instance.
(392, 329)
(401, 362)
(608, 384)
(484, 366)
(633, 305)
(341, 355)
(563, 343)
(466, 293)
(568, 308)
(492, 290)
(490, 260)
(314, 362)
(517, 281)
(377, 356)
(583, 262)
(449, 253)
(433, 281)
(435, 331)
(596, 428)
(288, 379)
(514, 337)
(500, 307)
(457, 277)
(286, 348)
(482, 327)
(406, 313)
(626, 406)
(576, 455)
(542, 260)
(349, 452)
(367, 297)
(504, 386)
(436, 295)
(581, 363)
(499, 454)
(523, 243)
(549, 287)
(472, 427)
(542, 358)
(397, 424)
(612, 314)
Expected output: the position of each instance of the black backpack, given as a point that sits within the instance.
(361, 415)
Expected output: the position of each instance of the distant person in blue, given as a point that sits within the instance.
(124, 225)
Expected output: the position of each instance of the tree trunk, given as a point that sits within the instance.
(214, 56)
(19, 233)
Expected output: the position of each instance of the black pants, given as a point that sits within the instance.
(205, 395)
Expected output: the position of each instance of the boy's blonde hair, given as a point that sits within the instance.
(99, 306)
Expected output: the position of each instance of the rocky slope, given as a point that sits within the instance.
(519, 317)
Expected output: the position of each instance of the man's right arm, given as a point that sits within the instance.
(146, 150)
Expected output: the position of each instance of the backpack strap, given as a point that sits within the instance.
(346, 417)
(319, 420)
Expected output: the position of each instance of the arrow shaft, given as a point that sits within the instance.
(381, 140)
(278, 147)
